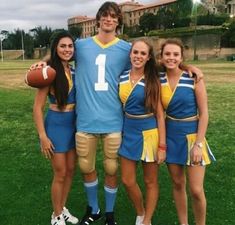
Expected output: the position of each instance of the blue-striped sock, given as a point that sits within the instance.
(110, 197)
(91, 192)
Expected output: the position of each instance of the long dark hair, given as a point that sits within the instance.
(107, 7)
(151, 78)
(60, 84)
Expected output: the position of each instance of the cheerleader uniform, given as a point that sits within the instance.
(182, 120)
(140, 133)
(60, 125)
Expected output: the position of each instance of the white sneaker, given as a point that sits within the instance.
(68, 217)
(139, 220)
(58, 220)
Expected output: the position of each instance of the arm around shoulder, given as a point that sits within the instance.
(193, 70)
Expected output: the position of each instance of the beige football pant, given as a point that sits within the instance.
(86, 146)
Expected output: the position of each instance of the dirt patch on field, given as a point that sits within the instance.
(218, 72)
(12, 80)
(221, 78)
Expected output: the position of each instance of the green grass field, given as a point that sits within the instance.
(25, 175)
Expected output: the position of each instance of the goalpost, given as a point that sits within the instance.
(12, 54)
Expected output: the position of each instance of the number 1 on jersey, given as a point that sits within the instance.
(101, 85)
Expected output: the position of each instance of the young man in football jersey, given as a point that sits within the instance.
(100, 59)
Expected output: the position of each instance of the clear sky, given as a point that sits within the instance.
(28, 14)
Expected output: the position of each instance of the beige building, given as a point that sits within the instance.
(87, 24)
(132, 11)
(231, 8)
(220, 6)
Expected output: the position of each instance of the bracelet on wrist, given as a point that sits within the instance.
(198, 144)
(162, 147)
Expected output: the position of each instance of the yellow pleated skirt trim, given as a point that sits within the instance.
(206, 152)
(150, 143)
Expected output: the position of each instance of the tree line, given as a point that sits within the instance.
(37, 37)
(179, 14)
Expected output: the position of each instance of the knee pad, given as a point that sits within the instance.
(86, 150)
(111, 145)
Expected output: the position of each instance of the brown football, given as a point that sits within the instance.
(40, 77)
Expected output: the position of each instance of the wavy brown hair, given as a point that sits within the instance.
(173, 41)
(151, 76)
(178, 42)
(108, 7)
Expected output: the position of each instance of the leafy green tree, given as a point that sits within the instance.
(133, 31)
(36, 37)
(228, 38)
(160, 18)
(183, 22)
(165, 18)
(14, 39)
(4, 35)
(41, 36)
(75, 31)
(212, 19)
(147, 22)
(174, 15)
(28, 45)
(181, 8)
(18, 39)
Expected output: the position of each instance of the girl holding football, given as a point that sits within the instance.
(57, 132)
